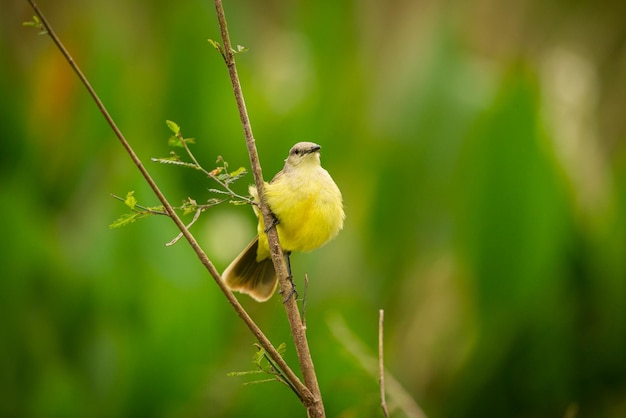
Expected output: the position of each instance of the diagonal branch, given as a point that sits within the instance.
(256, 331)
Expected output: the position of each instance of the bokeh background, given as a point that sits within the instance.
(480, 147)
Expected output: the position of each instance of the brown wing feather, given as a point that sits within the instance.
(247, 275)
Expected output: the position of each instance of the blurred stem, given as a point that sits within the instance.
(261, 338)
(381, 363)
(351, 342)
(312, 398)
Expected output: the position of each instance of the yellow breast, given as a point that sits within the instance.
(309, 208)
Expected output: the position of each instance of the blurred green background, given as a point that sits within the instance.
(480, 147)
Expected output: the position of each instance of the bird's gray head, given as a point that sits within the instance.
(303, 152)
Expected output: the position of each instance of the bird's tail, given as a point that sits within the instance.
(247, 275)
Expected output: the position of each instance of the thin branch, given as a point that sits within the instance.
(179, 236)
(210, 174)
(381, 366)
(312, 401)
(304, 299)
(256, 331)
(351, 342)
(141, 207)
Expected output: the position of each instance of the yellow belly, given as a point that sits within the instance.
(309, 209)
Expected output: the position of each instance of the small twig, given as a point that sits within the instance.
(280, 375)
(211, 174)
(141, 207)
(381, 366)
(179, 236)
(304, 299)
(399, 396)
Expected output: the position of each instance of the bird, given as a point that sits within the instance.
(308, 210)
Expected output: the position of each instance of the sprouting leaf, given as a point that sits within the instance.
(248, 372)
(173, 127)
(179, 141)
(264, 364)
(282, 348)
(240, 48)
(128, 218)
(237, 174)
(189, 206)
(221, 160)
(36, 23)
(130, 200)
(219, 191)
(214, 201)
(240, 202)
(156, 210)
(259, 355)
(172, 159)
(175, 141)
(174, 162)
(216, 45)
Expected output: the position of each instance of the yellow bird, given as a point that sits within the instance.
(308, 208)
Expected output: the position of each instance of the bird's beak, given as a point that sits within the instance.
(314, 149)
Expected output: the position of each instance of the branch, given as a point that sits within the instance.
(381, 366)
(256, 331)
(313, 400)
(351, 342)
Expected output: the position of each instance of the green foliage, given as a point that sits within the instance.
(265, 365)
(220, 174)
(177, 140)
(174, 159)
(138, 211)
(128, 218)
(130, 200)
(37, 24)
(173, 127)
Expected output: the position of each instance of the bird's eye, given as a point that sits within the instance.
(296, 151)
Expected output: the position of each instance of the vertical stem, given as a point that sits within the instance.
(314, 405)
(381, 364)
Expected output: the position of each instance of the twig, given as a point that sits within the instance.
(256, 331)
(180, 235)
(381, 366)
(142, 208)
(313, 400)
(304, 299)
(359, 350)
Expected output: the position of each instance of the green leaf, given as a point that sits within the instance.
(128, 218)
(172, 159)
(189, 206)
(173, 127)
(157, 209)
(33, 23)
(174, 162)
(240, 48)
(214, 201)
(179, 141)
(248, 372)
(175, 141)
(130, 200)
(237, 174)
(216, 45)
(36, 23)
